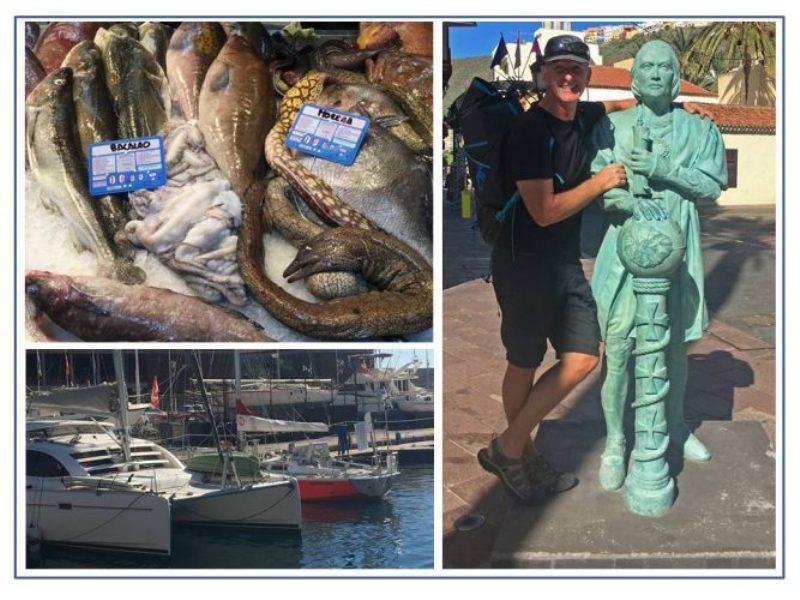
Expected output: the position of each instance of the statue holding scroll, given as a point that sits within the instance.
(648, 276)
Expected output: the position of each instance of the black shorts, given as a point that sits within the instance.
(543, 298)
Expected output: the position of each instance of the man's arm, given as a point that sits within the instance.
(547, 208)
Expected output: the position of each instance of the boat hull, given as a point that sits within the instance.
(261, 505)
(129, 521)
(322, 489)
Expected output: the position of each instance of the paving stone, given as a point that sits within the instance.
(725, 509)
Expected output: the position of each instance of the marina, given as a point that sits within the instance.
(104, 482)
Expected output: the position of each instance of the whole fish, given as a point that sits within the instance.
(59, 38)
(138, 86)
(413, 37)
(409, 79)
(125, 30)
(237, 110)
(378, 104)
(192, 49)
(102, 310)
(387, 183)
(34, 71)
(57, 163)
(154, 36)
(317, 194)
(255, 33)
(31, 34)
(96, 122)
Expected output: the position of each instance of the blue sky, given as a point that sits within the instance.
(481, 39)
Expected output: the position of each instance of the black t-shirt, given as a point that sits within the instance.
(541, 146)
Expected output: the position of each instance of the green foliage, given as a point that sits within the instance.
(704, 52)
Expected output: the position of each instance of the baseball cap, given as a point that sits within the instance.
(566, 47)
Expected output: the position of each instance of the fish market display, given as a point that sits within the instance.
(58, 39)
(244, 239)
(57, 163)
(96, 309)
(192, 49)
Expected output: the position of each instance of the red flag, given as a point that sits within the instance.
(154, 402)
(241, 409)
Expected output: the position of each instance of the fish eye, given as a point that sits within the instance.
(58, 81)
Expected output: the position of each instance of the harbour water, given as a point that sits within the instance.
(393, 533)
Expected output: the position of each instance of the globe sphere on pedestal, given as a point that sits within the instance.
(651, 248)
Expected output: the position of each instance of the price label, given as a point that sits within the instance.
(122, 166)
(327, 133)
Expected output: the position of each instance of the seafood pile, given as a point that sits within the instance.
(248, 240)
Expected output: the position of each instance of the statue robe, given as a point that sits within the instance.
(699, 172)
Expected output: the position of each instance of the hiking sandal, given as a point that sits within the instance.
(543, 474)
(512, 472)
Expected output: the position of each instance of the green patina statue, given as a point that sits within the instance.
(648, 276)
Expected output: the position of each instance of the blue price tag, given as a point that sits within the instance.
(126, 165)
(327, 133)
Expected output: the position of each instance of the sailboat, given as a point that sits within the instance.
(90, 485)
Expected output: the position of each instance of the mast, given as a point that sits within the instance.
(138, 386)
(122, 391)
(198, 371)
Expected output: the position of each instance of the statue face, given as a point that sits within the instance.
(655, 73)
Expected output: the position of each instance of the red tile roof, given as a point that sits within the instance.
(614, 77)
(732, 118)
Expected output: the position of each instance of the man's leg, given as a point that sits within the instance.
(551, 388)
(680, 436)
(517, 385)
(614, 394)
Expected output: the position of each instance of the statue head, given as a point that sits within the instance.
(655, 74)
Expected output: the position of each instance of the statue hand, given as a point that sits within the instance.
(649, 210)
(643, 162)
(650, 165)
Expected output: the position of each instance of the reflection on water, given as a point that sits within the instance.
(396, 532)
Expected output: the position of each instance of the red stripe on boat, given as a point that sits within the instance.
(326, 489)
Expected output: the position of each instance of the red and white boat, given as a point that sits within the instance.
(322, 477)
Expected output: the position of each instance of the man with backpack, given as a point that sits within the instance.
(537, 275)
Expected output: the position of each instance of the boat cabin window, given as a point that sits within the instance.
(39, 464)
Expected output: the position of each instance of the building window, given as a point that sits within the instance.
(732, 158)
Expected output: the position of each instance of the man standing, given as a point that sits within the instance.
(686, 163)
(538, 279)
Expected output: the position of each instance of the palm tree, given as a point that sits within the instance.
(732, 43)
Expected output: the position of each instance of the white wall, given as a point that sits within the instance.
(756, 181)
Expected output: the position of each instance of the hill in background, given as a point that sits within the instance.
(464, 69)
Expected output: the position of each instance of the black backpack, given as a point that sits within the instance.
(483, 115)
